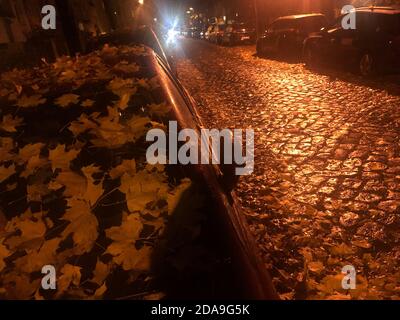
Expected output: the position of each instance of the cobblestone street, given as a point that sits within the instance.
(326, 188)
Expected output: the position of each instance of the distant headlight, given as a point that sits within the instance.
(171, 36)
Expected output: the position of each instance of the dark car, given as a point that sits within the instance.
(195, 32)
(238, 33)
(103, 217)
(287, 34)
(207, 33)
(216, 33)
(371, 48)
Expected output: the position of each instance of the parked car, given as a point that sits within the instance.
(371, 48)
(171, 229)
(207, 33)
(238, 33)
(286, 35)
(217, 33)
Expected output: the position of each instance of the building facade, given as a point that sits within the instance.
(21, 31)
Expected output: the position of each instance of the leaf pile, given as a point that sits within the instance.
(76, 191)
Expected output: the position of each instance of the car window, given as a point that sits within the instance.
(283, 24)
(312, 24)
(181, 97)
(388, 23)
(366, 22)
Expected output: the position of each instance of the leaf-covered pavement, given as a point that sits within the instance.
(75, 189)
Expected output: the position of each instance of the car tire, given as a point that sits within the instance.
(259, 49)
(367, 65)
(309, 57)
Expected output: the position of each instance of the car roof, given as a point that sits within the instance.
(381, 10)
(300, 16)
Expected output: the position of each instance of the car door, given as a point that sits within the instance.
(331, 46)
(341, 45)
(284, 34)
(272, 35)
(251, 275)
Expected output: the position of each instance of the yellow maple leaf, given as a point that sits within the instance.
(29, 151)
(123, 102)
(159, 110)
(127, 166)
(4, 92)
(33, 164)
(9, 124)
(129, 230)
(67, 99)
(341, 250)
(5, 172)
(93, 190)
(5, 150)
(83, 225)
(20, 286)
(83, 123)
(121, 86)
(129, 258)
(126, 67)
(69, 275)
(315, 266)
(68, 75)
(143, 188)
(34, 261)
(30, 226)
(87, 103)
(100, 292)
(61, 159)
(4, 253)
(75, 184)
(100, 272)
(110, 133)
(138, 127)
(123, 248)
(37, 191)
(89, 171)
(32, 101)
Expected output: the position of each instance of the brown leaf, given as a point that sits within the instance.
(70, 275)
(9, 124)
(61, 159)
(5, 173)
(67, 99)
(83, 226)
(127, 166)
(32, 101)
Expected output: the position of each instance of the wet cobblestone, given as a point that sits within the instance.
(326, 187)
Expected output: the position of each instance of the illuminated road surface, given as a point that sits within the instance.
(326, 188)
